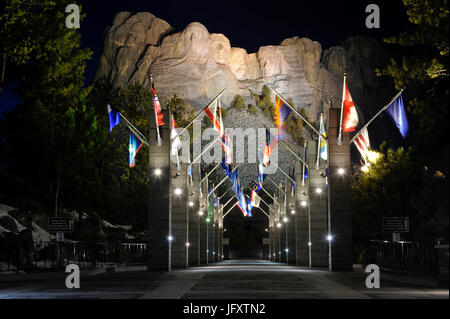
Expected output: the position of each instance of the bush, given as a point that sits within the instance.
(251, 109)
(238, 102)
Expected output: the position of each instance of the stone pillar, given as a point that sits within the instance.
(292, 214)
(194, 231)
(180, 214)
(302, 220)
(203, 232)
(160, 193)
(283, 229)
(215, 228)
(220, 233)
(318, 208)
(271, 233)
(277, 229)
(339, 195)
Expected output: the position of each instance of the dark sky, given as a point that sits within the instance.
(247, 24)
(250, 24)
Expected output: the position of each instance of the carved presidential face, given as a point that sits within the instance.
(220, 49)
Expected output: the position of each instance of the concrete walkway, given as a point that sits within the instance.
(247, 279)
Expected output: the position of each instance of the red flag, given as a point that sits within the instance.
(363, 144)
(214, 113)
(350, 117)
(159, 116)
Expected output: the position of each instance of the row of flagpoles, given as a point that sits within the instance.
(348, 123)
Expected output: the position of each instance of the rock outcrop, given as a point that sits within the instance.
(196, 65)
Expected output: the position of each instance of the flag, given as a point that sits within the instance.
(228, 149)
(159, 116)
(191, 181)
(292, 181)
(323, 143)
(305, 169)
(350, 117)
(210, 205)
(243, 203)
(271, 143)
(396, 111)
(227, 168)
(255, 200)
(249, 209)
(135, 145)
(214, 112)
(362, 143)
(282, 112)
(200, 189)
(261, 175)
(216, 200)
(114, 117)
(176, 142)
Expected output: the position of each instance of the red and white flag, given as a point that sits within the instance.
(362, 143)
(214, 113)
(350, 117)
(176, 142)
(159, 116)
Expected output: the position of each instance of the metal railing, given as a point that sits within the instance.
(405, 257)
(42, 256)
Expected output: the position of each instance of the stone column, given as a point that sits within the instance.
(277, 242)
(292, 214)
(302, 221)
(194, 231)
(271, 233)
(318, 208)
(203, 232)
(180, 213)
(215, 228)
(339, 195)
(283, 229)
(160, 193)
(220, 233)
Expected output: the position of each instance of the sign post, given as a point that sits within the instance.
(396, 225)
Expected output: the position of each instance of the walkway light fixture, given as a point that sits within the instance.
(200, 213)
(279, 225)
(293, 212)
(178, 191)
(318, 190)
(309, 243)
(341, 171)
(329, 237)
(191, 204)
(157, 172)
(170, 238)
(188, 244)
(285, 219)
(303, 203)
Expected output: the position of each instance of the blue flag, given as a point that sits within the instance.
(114, 118)
(135, 145)
(398, 114)
(305, 173)
(227, 168)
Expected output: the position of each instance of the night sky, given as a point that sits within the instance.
(247, 24)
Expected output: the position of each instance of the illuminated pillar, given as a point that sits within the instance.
(292, 214)
(204, 210)
(194, 201)
(302, 221)
(317, 193)
(339, 179)
(220, 233)
(160, 193)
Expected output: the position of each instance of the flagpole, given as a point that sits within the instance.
(288, 148)
(204, 151)
(258, 207)
(224, 193)
(210, 172)
(281, 169)
(268, 194)
(185, 128)
(135, 130)
(318, 144)
(275, 184)
(230, 209)
(339, 139)
(376, 115)
(298, 114)
(228, 201)
(156, 113)
(223, 180)
(303, 172)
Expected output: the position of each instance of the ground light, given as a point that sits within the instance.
(309, 244)
(169, 238)
(318, 190)
(341, 171)
(157, 172)
(329, 238)
(191, 204)
(293, 212)
(303, 203)
(177, 191)
(279, 225)
(188, 244)
(285, 219)
(200, 213)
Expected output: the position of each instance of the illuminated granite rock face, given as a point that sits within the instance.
(196, 65)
